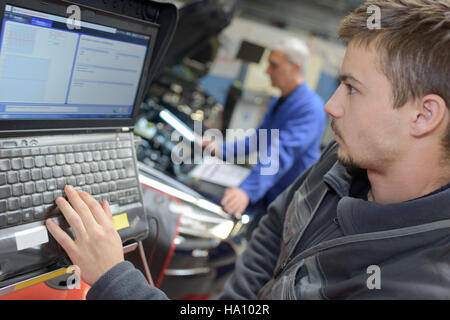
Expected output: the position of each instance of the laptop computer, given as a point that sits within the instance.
(70, 90)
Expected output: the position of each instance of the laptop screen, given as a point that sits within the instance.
(52, 67)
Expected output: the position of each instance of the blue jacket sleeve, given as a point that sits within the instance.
(246, 143)
(295, 138)
(240, 148)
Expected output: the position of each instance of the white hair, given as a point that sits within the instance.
(295, 50)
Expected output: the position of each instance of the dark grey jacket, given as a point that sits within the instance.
(319, 242)
(291, 256)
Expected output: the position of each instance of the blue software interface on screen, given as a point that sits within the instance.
(49, 71)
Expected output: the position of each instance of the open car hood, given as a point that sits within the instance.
(199, 21)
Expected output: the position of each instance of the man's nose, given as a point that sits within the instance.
(334, 106)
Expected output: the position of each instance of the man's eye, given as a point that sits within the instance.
(350, 89)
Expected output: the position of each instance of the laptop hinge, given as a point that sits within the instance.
(125, 129)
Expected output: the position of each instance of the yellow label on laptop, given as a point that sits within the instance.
(121, 221)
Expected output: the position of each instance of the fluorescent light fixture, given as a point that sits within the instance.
(178, 125)
(201, 203)
(167, 189)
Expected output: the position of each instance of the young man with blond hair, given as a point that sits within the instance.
(371, 218)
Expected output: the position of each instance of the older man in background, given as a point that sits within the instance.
(297, 114)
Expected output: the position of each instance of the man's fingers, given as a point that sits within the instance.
(234, 211)
(227, 198)
(230, 210)
(72, 217)
(61, 237)
(95, 208)
(105, 206)
(233, 204)
(205, 143)
(239, 211)
(80, 207)
(211, 149)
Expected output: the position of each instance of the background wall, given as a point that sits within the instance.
(321, 75)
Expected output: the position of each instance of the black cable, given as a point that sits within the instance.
(152, 252)
(145, 261)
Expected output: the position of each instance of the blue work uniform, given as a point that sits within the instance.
(301, 122)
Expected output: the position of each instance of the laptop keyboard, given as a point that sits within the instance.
(31, 178)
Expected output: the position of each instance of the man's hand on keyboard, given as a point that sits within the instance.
(97, 246)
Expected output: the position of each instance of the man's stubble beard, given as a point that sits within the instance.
(348, 161)
(345, 159)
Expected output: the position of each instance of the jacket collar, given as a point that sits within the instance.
(339, 179)
(360, 216)
(293, 96)
(298, 90)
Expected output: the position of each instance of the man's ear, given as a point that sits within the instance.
(430, 112)
(298, 67)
